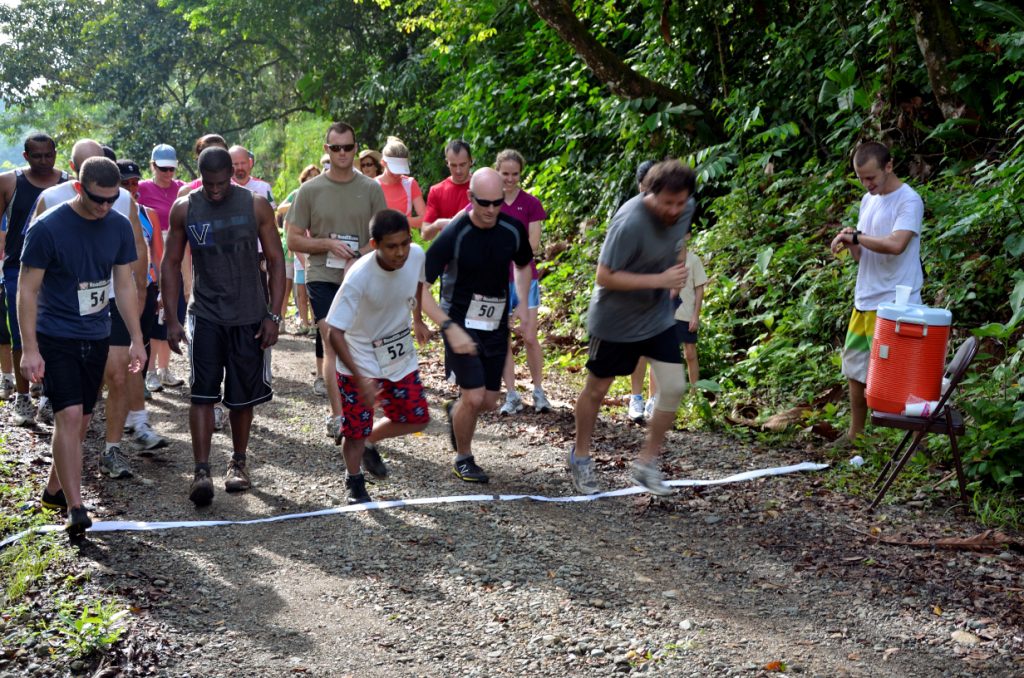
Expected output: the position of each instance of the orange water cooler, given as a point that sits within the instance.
(908, 355)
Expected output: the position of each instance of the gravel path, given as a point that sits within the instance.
(734, 580)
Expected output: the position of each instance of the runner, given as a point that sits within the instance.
(474, 252)
(115, 376)
(447, 198)
(371, 334)
(19, 190)
(229, 324)
(630, 316)
(70, 254)
(329, 221)
(401, 191)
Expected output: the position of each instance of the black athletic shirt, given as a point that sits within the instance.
(475, 261)
(19, 213)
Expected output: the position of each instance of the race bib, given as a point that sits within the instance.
(485, 313)
(394, 353)
(339, 262)
(93, 297)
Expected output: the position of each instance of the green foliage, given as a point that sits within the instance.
(92, 628)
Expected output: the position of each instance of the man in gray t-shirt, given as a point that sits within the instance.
(631, 316)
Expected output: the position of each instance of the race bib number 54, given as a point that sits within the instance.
(92, 297)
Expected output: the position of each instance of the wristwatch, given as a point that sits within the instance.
(856, 238)
(276, 318)
(446, 324)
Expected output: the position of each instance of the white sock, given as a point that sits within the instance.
(136, 418)
(110, 445)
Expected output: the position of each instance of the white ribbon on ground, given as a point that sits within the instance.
(139, 525)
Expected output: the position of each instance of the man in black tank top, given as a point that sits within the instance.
(229, 324)
(19, 190)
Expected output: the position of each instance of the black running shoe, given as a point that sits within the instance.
(448, 407)
(357, 489)
(201, 489)
(372, 462)
(54, 502)
(78, 522)
(468, 470)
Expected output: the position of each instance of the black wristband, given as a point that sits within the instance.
(856, 237)
(446, 324)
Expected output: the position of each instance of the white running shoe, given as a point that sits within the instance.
(334, 427)
(636, 409)
(540, 401)
(153, 382)
(169, 378)
(649, 409)
(218, 418)
(148, 439)
(44, 415)
(648, 476)
(319, 387)
(6, 387)
(24, 411)
(513, 404)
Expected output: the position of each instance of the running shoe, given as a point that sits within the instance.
(114, 463)
(36, 389)
(319, 388)
(6, 387)
(468, 470)
(54, 502)
(448, 407)
(334, 428)
(373, 463)
(147, 439)
(200, 492)
(356, 486)
(648, 476)
(78, 522)
(218, 418)
(237, 477)
(169, 378)
(636, 409)
(584, 477)
(153, 381)
(540, 401)
(513, 404)
(649, 409)
(44, 415)
(24, 411)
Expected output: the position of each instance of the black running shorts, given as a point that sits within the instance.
(230, 356)
(617, 359)
(73, 370)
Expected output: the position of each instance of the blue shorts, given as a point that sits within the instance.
(513, 298)
(300, 276)
(11, 289)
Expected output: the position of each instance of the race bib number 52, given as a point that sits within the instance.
(92, 297)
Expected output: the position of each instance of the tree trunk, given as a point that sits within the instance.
(939, 40)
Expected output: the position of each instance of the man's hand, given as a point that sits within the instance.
(368, 389)
(136, 357)
(32, 366)
(268, 333)
(694, 323)
(459, 340)
(175, 333)
(339, 249)
(842, 240)
(675, 277)
(422, 332)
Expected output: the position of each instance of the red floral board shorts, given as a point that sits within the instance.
(403, 402)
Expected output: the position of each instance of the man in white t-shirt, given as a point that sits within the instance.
(242, 162)
(887, 248)
(371, 332)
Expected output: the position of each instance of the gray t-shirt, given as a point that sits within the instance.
(637, 242)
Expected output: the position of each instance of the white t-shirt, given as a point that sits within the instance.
(62, 193)
(688, 292)
(879, 274)
(373, 307)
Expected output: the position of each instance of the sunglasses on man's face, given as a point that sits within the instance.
(487, 203)
(338, 148)
(99, 199)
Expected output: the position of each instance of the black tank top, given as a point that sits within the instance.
(19, 213)
(227, 287)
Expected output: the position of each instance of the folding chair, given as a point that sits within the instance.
(944, 420)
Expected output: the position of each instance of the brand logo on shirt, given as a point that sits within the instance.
(199, 232)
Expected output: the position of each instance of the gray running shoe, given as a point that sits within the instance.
(649, 409)
(540, 401)
(319, 387)
(169, 378)
(6, 387)
(36, 389)
(44, 415)
(649, 477)
(513, 404)
(334, 428)
(218, 418)
(148, 439)
(114, 463)
(24, 411)
(153, 382)
(237, 477)
(584, 478)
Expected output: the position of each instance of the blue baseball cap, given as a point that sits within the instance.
(164, 155)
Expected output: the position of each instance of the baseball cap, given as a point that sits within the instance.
(397, 165)
(129, 169)
(164, 155)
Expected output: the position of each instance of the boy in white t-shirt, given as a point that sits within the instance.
(371, 332)
(691, 296)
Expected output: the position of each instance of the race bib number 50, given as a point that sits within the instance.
(92, 297)
(484, 313)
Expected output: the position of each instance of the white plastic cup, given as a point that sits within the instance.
(857, 461)
(902, 295)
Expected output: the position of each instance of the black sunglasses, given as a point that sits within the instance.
(487, 203)
(166, 169)
(99, 199)
(338, 148)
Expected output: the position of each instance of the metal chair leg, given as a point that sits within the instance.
(961, 481)
(899, 467)
(893, 458)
